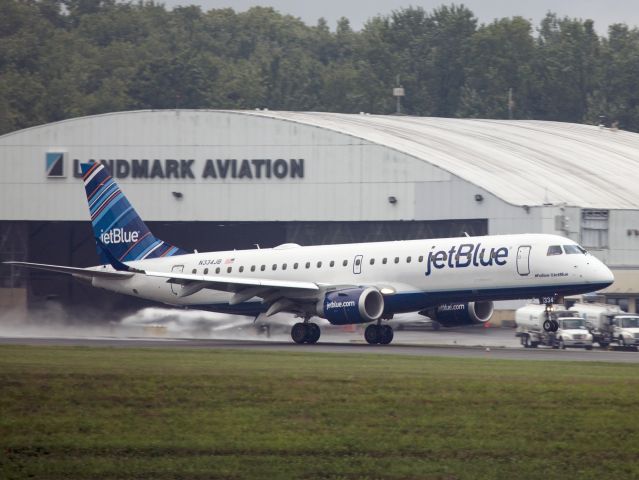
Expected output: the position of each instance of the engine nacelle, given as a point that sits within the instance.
(352, 305)
(456, 314)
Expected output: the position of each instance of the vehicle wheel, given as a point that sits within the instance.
(621, 342)
(588, 347)
(299, 332)
(313, 333)
(372, 334)
(562, 345)
(525, 341)
(534, 344)
(603, 344)
(386, 335)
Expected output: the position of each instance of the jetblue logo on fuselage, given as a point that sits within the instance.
(466, 255)
(119, 235)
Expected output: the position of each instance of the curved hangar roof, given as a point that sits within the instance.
(523, 162)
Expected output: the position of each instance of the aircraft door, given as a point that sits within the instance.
(174, 286)
(523, 260)
(357, 264)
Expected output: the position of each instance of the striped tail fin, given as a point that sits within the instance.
(116, 225)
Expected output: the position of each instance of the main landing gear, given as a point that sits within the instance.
(305, 332)
(377, 333)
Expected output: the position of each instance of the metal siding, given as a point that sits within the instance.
(345, 178)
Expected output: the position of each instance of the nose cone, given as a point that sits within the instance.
(602, 275)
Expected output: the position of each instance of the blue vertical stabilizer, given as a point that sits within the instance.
(116, 224)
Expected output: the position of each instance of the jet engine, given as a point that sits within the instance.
(456, 314)
(352, 305)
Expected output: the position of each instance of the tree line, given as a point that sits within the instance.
(67, 58)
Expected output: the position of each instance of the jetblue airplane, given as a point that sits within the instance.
(452, 280)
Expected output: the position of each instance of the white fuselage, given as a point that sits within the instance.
(412, 274)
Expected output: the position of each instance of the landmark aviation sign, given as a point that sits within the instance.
(214, 169)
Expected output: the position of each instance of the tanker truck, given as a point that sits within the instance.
(572, 331)
(598, 318)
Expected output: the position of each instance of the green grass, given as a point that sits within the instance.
(156, 414)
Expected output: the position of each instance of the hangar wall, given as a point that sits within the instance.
(206, 178)
(342, 178)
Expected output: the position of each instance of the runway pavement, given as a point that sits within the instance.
(469, 343)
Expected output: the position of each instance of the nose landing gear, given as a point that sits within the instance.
(550, 324)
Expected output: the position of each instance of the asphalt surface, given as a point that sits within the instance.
(406, 343)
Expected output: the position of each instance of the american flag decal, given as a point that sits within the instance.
(228, 261)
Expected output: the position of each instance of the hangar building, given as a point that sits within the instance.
(206, 180)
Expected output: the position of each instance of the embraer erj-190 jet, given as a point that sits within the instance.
(452, 280)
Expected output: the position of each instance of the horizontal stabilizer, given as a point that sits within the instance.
(78, 272)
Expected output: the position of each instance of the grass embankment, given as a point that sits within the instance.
(135, 413)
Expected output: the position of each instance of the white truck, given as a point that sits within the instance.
(572, 331)
(625, 330)
(609, 324)
(598, 317)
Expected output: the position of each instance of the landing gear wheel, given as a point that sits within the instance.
(562, 345)
(387, 334)
(548, 326)
(299, 332)
(313, 333)
(372, 334)
(555, 325)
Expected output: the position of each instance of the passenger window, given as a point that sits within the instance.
(252, 268)
(295, 265)
(358, 262)
(263, 267)
(345, 263)
(241, 268)
(274, 267)
(194, 271)
(319, 264)
(396, 259)
(217, 270)
(554, 250)
(283, 266)
(372, 261)
(332, 264)
(206, 271)
(408, 259)
(229, 270)
(308, 264)
(384, 260)
(420, 259)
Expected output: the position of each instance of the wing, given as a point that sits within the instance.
(75, 271)
(282, 295)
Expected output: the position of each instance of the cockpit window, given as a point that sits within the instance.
(554, 250)
(573, 249)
